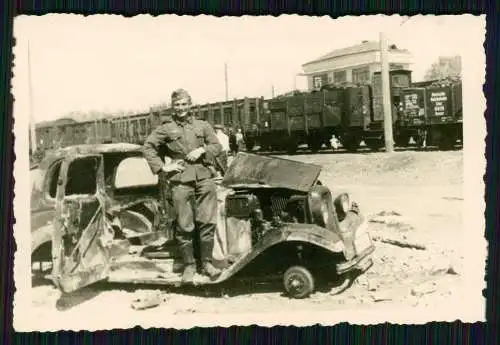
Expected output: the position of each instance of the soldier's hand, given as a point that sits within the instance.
(195, 154)
(173, 167)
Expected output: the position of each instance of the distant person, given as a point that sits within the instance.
(224, 141)
(334, 142)
(233, 144)
(239, 139)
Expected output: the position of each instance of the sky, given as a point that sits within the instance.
(111, 63)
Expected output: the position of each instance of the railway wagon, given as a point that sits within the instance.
(134, 128)
(352, 112)
(312, 118)
(245, 114)
(432, 113)
(56, 135)
(356, 113)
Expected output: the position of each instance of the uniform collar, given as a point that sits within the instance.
(188, 119)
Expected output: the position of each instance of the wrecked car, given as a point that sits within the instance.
(275, 220)
(133, 206)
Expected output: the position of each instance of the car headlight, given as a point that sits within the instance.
(324, 212)
(342, 205)
(345, 202)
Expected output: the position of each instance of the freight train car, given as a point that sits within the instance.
(353, 113)
(56, 134)
(432, 113)
(312, 118)
(245, 114)
(133, 128)
(356, 113)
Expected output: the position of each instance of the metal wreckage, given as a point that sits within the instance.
(276, 220)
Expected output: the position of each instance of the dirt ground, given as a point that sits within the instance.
(411, 197)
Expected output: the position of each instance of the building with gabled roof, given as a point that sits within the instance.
(355, 64)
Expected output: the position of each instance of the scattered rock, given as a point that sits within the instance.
(452, 198)
(381, 298)
(372, 285)
(388, 213)
(144, 299)
(451, 270)
(423, 289)
(399, 243)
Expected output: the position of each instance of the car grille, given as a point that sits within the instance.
(278, 204)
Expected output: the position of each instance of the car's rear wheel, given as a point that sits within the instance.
(298, 282)
(41, 264)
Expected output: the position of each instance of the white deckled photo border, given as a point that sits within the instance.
(469, 309)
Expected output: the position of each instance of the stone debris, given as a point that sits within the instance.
(381, 297)
(424, 289)
(451, 270)
(388, 213)
(391, 219)
(399, 243)
(144, 299)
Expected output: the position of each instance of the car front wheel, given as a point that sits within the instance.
(298, 282)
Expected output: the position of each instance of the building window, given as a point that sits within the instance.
(340, 76)
(361, 75)
(317, 82)
(394, 66)
(320, 80)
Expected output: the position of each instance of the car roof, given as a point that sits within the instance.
(102, 148)
(119, 148)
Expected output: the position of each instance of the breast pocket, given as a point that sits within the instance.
(175, 142)
(174, 135)
(200, 137)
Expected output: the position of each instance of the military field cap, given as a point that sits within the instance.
(180, 93)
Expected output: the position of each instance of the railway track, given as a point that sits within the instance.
(363, 149)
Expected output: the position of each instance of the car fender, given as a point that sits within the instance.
(41, 236)
(306, 233)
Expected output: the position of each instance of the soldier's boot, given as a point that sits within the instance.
(206, 257)
(189, 270)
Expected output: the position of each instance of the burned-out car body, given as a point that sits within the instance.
(132, 204)
(275, 220)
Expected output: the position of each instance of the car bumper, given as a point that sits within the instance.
(363, 247)
(362, 261)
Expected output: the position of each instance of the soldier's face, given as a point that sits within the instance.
(181, 106)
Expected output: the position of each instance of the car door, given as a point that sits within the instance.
(81, 237)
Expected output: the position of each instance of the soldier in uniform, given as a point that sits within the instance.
(192, 146)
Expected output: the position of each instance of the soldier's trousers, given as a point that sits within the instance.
(196, 210)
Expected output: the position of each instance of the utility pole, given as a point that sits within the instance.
(386, 95)
(32, 122)
(272, 91)
(225, 79)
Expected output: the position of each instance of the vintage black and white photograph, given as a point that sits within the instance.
(183, 171)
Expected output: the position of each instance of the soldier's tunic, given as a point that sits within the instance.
(194, 193)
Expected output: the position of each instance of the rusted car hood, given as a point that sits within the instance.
(250, 170)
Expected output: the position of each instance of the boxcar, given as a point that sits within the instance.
(245, 114)
(432, 113)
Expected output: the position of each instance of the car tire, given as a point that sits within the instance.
(298, 282)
